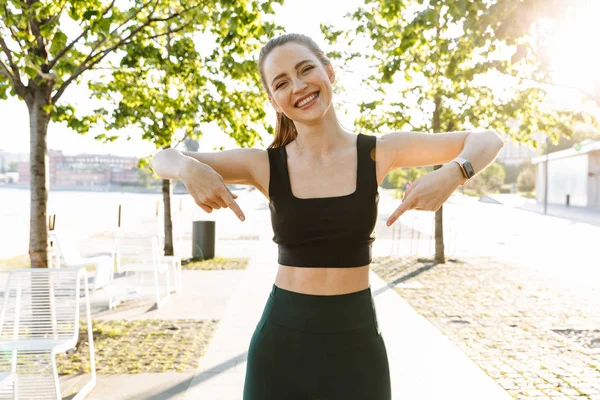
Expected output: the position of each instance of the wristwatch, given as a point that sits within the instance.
(466, 168)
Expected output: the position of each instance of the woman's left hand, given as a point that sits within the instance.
(430, 191)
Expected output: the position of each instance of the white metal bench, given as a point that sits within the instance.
(8, 386)
(71, 257)
(139, 255)
(174, 260)
(39, 319)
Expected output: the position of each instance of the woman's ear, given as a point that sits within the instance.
(330, 73)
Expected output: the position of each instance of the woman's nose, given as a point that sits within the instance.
(299, 85)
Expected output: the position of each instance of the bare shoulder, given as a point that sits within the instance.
(384, 157)
(260, 171)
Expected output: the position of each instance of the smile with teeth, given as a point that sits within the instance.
(307, 100)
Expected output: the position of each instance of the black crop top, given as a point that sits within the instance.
(325, 231)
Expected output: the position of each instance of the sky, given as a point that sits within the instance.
(571, 56)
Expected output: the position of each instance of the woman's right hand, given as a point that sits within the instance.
(207, 188)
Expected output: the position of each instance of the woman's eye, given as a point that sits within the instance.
(308, 68)
(280, 85)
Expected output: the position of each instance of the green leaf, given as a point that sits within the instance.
(30, 72)
(89, 14)
(59, 42)
(102, 26)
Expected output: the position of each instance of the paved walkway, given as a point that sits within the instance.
(589, 215)
(424, 364)
(535, 335)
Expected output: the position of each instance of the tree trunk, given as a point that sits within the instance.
(166, 190)
(39, 175)
(439, 232)
(439, 214)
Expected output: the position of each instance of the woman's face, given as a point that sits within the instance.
(294, 74)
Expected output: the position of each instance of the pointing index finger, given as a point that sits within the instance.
(234, 206)
(405, 205)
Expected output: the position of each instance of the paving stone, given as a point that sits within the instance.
(502, 317)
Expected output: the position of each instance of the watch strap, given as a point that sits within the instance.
(460, 161)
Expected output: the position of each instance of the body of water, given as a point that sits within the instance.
(85, 214)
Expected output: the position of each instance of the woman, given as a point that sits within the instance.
(318, 336)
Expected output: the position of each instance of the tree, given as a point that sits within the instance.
(145, 177)
(42, 54)
(166, 85)
(526, 178)
(401, 176)
(488, 181)
(435, 63)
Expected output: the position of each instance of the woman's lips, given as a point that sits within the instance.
(311, 102)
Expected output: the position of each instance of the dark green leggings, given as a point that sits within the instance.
(317, 347)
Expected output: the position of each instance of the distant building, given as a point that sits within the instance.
(514, 153)
(572, 173)
(86, 170)
(6, 159)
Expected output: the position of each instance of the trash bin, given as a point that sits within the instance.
(203, 240)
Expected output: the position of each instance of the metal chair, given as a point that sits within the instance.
(139, 255)
(39, 319)
(69, 256)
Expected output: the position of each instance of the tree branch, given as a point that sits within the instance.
(10, 28)
(6, 72)
(182, 139)
(17, 85)
(170, 17)
(16, 78)
(143, 6)
(70, 45)
(113, 33)
(93, 59)
(166, 33)
(56, 16)
(407, 121)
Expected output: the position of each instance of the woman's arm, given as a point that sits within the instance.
(480, 149)
(430, 191)
(237, 166)
(414, 149)
(205, 185)
(170, 163)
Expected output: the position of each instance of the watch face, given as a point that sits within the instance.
(469, 169)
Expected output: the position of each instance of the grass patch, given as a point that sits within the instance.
(528, 195)
(216, 264)
(140, 346)
(20, 261)
(471, 192)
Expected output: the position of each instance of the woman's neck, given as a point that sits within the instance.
(321, 138)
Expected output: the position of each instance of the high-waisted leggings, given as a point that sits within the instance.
(317, 347)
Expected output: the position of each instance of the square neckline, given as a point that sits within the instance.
(289, 183)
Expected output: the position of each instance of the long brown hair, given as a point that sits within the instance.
(285, 130)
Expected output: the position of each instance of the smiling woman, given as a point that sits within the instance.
(297, 76)
(318, 336)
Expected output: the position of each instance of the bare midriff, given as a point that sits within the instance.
(322, 281)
